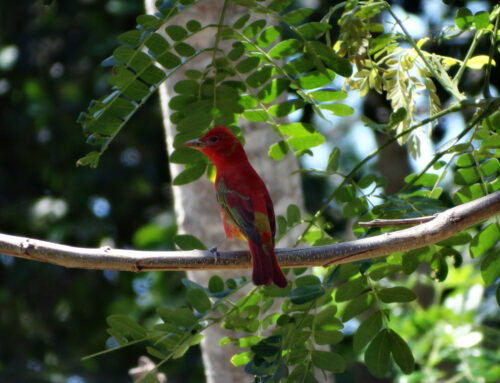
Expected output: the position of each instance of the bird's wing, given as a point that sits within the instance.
(239, 209)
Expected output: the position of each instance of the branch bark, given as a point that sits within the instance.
(443, 226)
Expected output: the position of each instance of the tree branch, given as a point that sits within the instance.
(444, 225)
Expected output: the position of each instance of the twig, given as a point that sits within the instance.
(444, 225)
(397, 222)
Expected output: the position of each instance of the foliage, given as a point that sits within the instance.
(297, 59)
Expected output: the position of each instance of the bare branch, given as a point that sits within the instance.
(397, 222)
(444, 225)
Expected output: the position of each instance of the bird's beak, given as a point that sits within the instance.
(195, 144)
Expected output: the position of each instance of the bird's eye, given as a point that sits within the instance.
(214, 139)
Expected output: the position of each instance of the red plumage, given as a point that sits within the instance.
(246, 208)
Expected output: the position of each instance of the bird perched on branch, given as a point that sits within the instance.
(246, 208)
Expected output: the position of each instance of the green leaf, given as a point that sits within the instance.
(491, 142)
(401, 353)
(484, 240)
(181, 317)
(466, 176)
(307, 141)
(339, 65)
(357, 306)
(396, 294)
(285, 48)
(268, 36)
(131, 38)
(185, 50)
(341, 110)
(279, 5)
(346, 193)
(189, 242)
(157, 44)
(463, 18)
(426, 180)
(313, 30)
(187, 87)
(278, 150)
(490, 268)
(367, 331)
(351, 289)
(240, 23)
(323, 337)
(297, 15)
(498, 295)
(377, 355)
(199, 300)
(354, 208)
(126, 326)
(241, 358)
(256, 115)
(254, 28)
(306, 294)
(176, 32)
(481, 19)
(90, 159)
(333, 160)
(468, 193)
(216, 284)
(193, 26)
(292, 214)
(477, 62)
(190, 174)
(326, 95)
(267, 347)
(149, 22)
(328, 361)
(285, 108)
(465, 160)
(397, 117)
(315, 79)
(248, 64)
(490, 167)
(273, 89)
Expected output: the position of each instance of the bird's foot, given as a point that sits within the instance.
(214, 252)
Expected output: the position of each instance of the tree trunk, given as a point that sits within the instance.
(195, 204)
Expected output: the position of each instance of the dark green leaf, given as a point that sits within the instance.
(484, 240)
(193, 25)
(240, 23)
(377, 355)
(490, 268)
(131, 38)
(426, 180)
(126, 326)
(285, 108)
(367, 331)
(292, 214)
(396, 294)
(199, 300)
(297, 15)
(306, 294)
(351, 289)
(188, 242)
(190, 174)
(248, 64)
(355, 207)
(279, 5)
(401, 353)
(313, 30)
(357, 306)
(397, 116)
(463, 18)
(185, 50)
(149, 22)
(328, 361)
(322, 337)
(254, 28)
(273, 89)
(338, 64)
(216, 284)
(176, 32)
(333, 160)
(90, 159)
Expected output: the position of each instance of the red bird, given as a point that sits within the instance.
(246, 208)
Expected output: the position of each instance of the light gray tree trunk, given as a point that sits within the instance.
(195, 204)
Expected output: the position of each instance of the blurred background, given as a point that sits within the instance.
(51, 317)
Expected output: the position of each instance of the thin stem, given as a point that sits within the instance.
(469, 54)
(444, 81)
(493, 40)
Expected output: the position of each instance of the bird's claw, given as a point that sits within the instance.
(215, 253)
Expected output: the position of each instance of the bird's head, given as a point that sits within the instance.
(217, 143)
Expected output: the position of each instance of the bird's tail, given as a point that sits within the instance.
(266, 269)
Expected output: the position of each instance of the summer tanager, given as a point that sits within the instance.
(246, 208)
